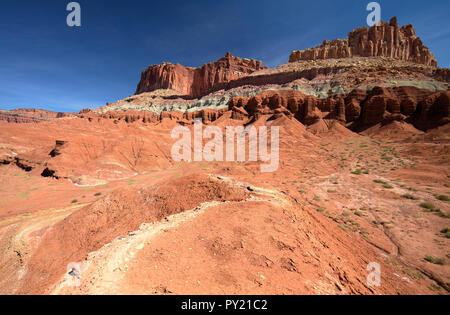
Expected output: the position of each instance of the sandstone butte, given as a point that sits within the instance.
(196, 82)
(364, 141)
(384, 40)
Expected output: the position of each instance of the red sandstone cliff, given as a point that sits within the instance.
(196, 82)
(359, 109)
(386, 40)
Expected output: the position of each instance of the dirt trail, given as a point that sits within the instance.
(286, 243)
(104, 270)
(17, 245)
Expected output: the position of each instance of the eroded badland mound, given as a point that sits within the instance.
(94, 203)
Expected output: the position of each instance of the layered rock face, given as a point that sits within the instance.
(385, 40)
(358, 110)
(130, 116)
(196, 82)
(23, 116)
(442, 74)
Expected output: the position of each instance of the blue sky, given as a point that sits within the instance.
(46, 64)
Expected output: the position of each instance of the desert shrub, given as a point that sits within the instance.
(347, 228)
(413, 274)
(411, 197)
(446, 232)
(441, 214)
(443, 198)
(427, 205)
(434, 260)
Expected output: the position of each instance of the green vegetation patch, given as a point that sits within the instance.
(321, 209)
(347, 228)
(411, 197)
(443, 198)
(434, 260)
(427, 205)
(413, 274)
(446, 232)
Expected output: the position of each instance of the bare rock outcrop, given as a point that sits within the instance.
(357, 110)
(195, 82)
(30, 115)
(442, 74)
(386, 40)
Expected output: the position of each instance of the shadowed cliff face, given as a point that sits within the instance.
(386, 40)
(196, 82)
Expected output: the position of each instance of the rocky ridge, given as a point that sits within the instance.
(386, 40)
(30, 115)
(195, 82)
